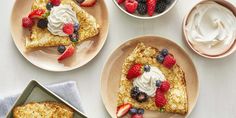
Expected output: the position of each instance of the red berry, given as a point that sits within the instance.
(37, 13)
(137, 116)
(56, 2)
(169, 61)
(165, 86)
(131, 5)
(151, 5)
(160, 100)
(68, 28)
(120, 1)
(134, 71)
(27, 22)
(88, 3)
(123, 110)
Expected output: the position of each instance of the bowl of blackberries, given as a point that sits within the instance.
(145, 9)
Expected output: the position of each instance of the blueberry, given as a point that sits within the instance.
(49, 6)
(133, 111)
(160, 58)
(61, 49)
(164, 52)
(146, 68)
(158, 83)
(76, 27)
(42, 23)
(73, 37)
(140, 111)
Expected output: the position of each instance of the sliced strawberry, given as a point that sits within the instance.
(151, 5)
(134, 71)
(123, 109)
(68, 53)
(88, 3)
(120, 1)
(38, 13)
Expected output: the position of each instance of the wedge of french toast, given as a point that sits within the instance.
(177, 101)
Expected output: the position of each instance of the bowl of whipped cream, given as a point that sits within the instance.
(210, 28)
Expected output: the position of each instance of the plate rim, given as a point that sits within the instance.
(136, 38)
(64, 69)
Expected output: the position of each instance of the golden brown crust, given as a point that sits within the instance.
(176, 96)
(43, 109)
(43, 38)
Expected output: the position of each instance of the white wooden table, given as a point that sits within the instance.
(217, 77)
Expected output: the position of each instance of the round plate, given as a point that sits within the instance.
(112, 72)
(47, 58)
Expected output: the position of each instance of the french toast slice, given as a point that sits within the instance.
(44, 38)
(43, 110)
(177, 101)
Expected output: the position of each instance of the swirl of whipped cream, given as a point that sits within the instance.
(211, 27)
(147, 81)
(58, 17)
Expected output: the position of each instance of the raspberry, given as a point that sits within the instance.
(134, 71)
(169, 61)
(56, 2)
(160, 100)
(131, 5)
(27, 22)
(68, 28)
(165, 86)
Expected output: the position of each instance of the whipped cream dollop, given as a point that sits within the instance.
(147, 81)
(60, 15)
(211, 28)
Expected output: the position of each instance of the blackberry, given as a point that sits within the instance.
(160, 7)
(42, 23)
(142, 97)
(142, 8)
(134, 92)
(143, 1)
(167, 1)
(73, 37)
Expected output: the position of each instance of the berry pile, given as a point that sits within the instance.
(162, 88)
(166, 59)
(144, 7)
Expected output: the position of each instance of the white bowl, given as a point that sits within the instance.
(146, 16)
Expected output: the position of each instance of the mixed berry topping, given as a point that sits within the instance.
(166, 59)
(144, 7)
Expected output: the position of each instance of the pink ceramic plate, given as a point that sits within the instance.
(47, 58)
